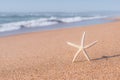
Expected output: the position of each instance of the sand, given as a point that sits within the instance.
(46, 55)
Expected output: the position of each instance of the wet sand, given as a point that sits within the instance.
(46, 55)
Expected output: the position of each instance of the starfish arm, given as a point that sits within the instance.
(82, 40)
(86, 55)
(93, 43)
(76, 55)
(71, 44)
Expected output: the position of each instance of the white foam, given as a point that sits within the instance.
(43, 22)
(95, 17)
(9, 28)
(31, 23)
(72, 19)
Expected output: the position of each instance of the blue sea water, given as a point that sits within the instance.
(16, 23)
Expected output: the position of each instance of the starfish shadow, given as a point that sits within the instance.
(107, 57)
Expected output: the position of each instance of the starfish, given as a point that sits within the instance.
(82, 47)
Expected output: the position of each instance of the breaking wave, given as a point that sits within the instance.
(42, 22)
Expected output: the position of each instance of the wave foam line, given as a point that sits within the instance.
(43, 22)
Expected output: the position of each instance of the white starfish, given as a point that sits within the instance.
(81, 47)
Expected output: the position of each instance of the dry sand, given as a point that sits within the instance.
(46, 56)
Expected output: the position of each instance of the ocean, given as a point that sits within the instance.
(19, 22)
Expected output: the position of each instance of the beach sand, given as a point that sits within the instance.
(46, 55)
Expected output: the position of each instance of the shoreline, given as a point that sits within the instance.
(46, 55)
(55, 27)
